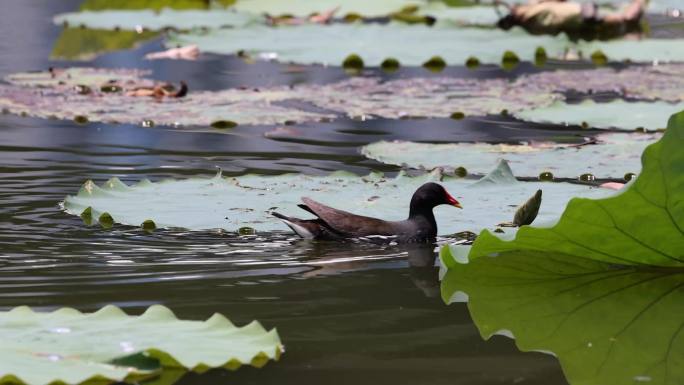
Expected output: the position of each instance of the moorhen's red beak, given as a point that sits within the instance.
(452, 201)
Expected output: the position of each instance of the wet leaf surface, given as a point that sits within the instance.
(66, 346)
(615, 114)
(608, 155)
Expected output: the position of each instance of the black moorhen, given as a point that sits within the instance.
(334, 224)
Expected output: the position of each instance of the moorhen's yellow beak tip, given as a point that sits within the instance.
(458, 205)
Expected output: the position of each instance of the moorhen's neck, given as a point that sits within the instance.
(423, 210)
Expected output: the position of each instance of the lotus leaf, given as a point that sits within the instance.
(307, 7)
(606, 324)
(615, 114)
(86, 44)
(67, 346)
(231, 203)
(166, 18)
(641, 226)
(613, 155)
(45, 95)
(412, 45)
(99, 5)
(42, 95)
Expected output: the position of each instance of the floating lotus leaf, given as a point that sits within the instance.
(460, 16)
(68, 78)
(614, 155)
(43, 95)
(231, 203)
(67, 346)
(615, 114)
(86, 44)
(412, 44)
(153, 20)
(307, 7)
(100, 5)
(641, 226)
(606, 324)
(645, 50)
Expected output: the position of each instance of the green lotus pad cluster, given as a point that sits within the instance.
(67, 346)
(601, 288)
(100, 95)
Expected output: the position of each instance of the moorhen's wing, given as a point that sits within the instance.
(350, 224)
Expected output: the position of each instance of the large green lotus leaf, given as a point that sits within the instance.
(86, 44)
(67, 346)
(230, 203)
(641, 226)
(615, 155)
(412, 45)
(606, 324)
(40, 94)
(615, 114)
(166, 18)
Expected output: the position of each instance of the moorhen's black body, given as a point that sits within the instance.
(334, 224)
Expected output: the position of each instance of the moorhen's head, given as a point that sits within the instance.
(430, 195)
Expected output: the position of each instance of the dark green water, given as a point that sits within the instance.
(347, 314)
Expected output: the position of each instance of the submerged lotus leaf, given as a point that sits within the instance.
(86, 44)
(412, 44)
(67, 346)
(44, 95)
(615, 114)
(644, 225)
(231, 203)
(612, 156)
(153, 20)
(606, 324)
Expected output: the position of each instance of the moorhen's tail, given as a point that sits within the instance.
(305, 228)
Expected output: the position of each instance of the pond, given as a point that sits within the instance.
(349, 312)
